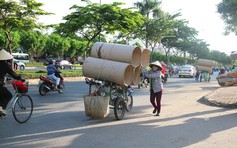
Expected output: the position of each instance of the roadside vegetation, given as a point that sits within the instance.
(35, 74)
(41, 65)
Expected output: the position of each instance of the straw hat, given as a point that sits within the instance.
(4, 55)
(156, 63)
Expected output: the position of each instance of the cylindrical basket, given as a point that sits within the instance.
(204, 68)
(207, 63)
(137, 75)
(117, 52)
(116, 72)
(145, 57)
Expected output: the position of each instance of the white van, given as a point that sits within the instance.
(187, 70)
(21, 57)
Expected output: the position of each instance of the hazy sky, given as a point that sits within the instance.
(201, 15)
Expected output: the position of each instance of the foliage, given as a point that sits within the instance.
(94, 19)
(57, 45)
(33, 42)
(148, 8)
(173, 59)
(227, 9)
(36, 74)
(17, 15)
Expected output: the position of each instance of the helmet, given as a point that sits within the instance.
(4, 55)
(51, 61)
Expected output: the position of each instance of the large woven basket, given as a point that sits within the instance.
(96, 106)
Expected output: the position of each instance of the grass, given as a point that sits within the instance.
(35, 74)
(35, 64)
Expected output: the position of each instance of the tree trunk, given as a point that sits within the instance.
(9, 38)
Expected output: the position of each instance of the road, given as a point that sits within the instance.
(59, 121)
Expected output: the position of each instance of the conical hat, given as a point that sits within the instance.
(156, 63)
(4, 55)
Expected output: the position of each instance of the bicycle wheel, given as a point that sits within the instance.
(119, 108)
(23, 108)
(129, 103)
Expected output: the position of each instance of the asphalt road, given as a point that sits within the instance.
(59, 121)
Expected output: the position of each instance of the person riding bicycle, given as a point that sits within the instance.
(51, 69)
(5, 68)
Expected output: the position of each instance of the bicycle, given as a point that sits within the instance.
(121, 97)
(21, 103)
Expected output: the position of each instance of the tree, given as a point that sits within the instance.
(57, 45)
(182, 39)
(16, 15)
(76, 47)
(227, 9)
(94, 19)
(33, 42)
(147, 8)
(220, 57)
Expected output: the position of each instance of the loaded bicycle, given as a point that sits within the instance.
(120, 97)
(21, 103)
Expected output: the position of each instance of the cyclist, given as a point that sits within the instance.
(5, 68)
(51, 69)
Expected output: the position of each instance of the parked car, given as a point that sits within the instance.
(187, 70)
(63, 64)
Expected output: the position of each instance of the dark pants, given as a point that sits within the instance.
(5, 96)
(155, 99)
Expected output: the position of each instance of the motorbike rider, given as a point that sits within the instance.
(5, 68)
(51, 69)
(163, 71)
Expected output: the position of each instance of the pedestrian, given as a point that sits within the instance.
(197, 75)
(156, 86)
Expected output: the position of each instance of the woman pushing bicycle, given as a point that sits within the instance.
(5, 68)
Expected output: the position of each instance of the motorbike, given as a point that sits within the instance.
(47, 84)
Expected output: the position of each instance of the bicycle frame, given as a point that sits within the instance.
(12, 101)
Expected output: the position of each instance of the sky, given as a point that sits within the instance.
(201, 15)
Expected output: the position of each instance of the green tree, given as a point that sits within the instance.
(227, 9)
(33, 42)
(76, 48)
(159, 28)
(57, 45)
(148, 8)
(94, 19)
(220, 57)
(16, 15)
